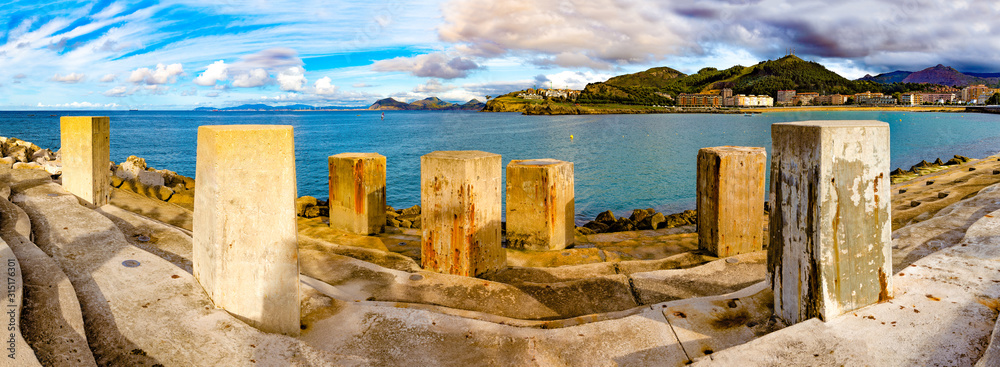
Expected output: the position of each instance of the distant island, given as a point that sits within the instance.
(427, 104)
(264, 107)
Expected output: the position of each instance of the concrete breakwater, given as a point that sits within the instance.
(651, 312)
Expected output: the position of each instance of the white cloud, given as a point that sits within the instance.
(20, 76)
(190, 92)
(163, 74)
(432, 65)
(214, 73)
(361, 85)
(212, 94)
(79, 105)
(292, 79)
(71, 78)
(108, 78)
(254, 78)
(571, 79)
(324, 87)
(433, 86)
(119, 91)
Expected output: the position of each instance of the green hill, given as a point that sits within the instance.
(427, 104)
(789, 72)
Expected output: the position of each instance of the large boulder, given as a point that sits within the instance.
(7, 161)
(54, 168)
(638, 215)
(42, 155)
(20, 153)
(606, 217)
(151, 178)
(622, 225)
(596, 227)
(411, 210)
(652, 221)
(131, 167)
(303, 204)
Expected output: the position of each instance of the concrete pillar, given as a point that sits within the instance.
(731, 199)
(357, 192)
(540, 213)
(829, 250)
(245, 251)
(86, 153)
(460, 213)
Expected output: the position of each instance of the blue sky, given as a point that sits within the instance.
(183, 54)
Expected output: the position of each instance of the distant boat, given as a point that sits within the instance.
(133, 109)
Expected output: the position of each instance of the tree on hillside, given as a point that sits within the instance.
(994, 100)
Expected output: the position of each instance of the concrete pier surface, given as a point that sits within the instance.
(101, 280)
(540, 205)
(460, 212)
(357, 192)
(830, 246)
(731, 199)
(245, 253)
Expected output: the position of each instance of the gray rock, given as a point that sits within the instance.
(151, 178)
(131, 167)
(606, 217)
(411, 210)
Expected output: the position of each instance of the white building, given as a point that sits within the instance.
(754, 101)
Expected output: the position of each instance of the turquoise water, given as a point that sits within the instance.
(622, 162)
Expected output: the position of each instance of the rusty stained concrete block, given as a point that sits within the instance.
(460, 213)
(86, 151)
(731, 199)
(357, 192)
(245, 248)
(540, 212)
(830, 247)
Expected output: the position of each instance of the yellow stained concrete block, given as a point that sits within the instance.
(245, 251)
(460, 212)
(540, 212)
(830, 228)
(731, 199)
(357, 192)
(86, 151)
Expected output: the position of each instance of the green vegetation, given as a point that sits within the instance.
(994, 99)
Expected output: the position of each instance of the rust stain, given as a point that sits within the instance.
(931, 297)
(883, 292)
(359, 188)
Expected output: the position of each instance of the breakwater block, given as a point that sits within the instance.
(357, 192)
(460, 213)
(245, 251)
(540, 204)
(829, 249)
(86, 150)
(731, 199)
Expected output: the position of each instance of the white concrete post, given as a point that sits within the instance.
(357, 192)
(731, 199)
(540, 212)
(460, 213)
(245, 251)
(86, 150)
(829, 250)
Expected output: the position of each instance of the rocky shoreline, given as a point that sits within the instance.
(923, 168)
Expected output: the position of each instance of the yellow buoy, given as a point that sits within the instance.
(570, 136)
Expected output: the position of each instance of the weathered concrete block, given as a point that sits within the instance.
(245, 251)
(86, 151)
(460, 212)
(540, 212)
(829, 249)
(731, 199)
(357, 192)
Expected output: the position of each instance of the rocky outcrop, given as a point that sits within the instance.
(640, 219)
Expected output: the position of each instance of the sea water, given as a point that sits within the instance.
(621, 162)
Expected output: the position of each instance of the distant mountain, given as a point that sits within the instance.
(940, 74)
(427, 104)
(888, 78)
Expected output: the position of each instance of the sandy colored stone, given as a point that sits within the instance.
(540, 204)
(357, 192)
(86, 149)
(245, 248)
(460, 212)
(830, 249)
(730, 183)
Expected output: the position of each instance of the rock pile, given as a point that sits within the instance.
(403, 218)
(641, 219)
(924, 167)
(310, 207)
(20, 154)
(165, 185)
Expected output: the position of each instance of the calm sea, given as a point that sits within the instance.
(622, 162)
